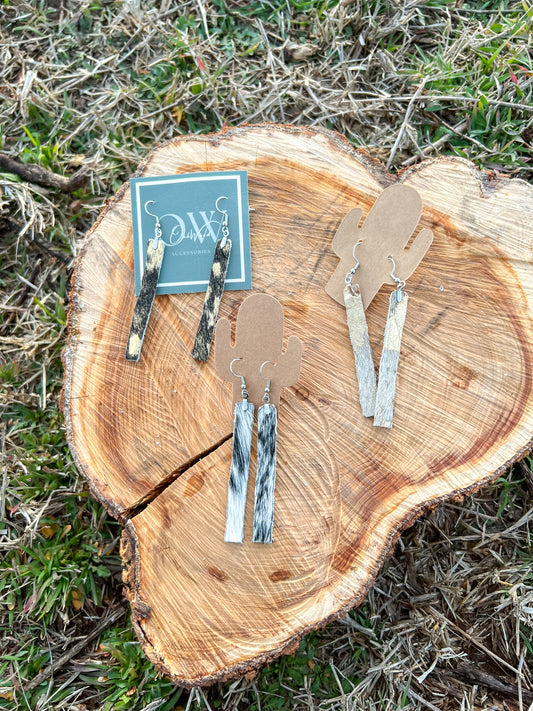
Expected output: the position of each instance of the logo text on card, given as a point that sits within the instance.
(193, 227)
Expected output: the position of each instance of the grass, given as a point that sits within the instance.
(96, 84)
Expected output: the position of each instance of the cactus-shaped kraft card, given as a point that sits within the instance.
(259, 335)
(386, 232)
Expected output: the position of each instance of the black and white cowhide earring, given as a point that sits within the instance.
(265, 480)
(215, 289)
(143, 306)
(243, 424)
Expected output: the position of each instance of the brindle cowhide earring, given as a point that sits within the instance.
(215, 289)
(143, 306)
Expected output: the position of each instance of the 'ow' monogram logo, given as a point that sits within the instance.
(195, 227)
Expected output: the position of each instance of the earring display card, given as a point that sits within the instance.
(191, 226)
(386, 232)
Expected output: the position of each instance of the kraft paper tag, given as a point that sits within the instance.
(385, 233)
(258, 338)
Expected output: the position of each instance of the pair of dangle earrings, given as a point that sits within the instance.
(154, 259)
(376, 398)
(265, 480)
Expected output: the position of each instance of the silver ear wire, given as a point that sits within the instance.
(244, 391)
(266, 396)
(150, 202)
(353, 252)
(225, 230)
(157, 230)
(400, 283)
(348, 278)
(222, 197)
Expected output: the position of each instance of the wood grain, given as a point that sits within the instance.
(157, 431)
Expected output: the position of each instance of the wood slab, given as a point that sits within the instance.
(153, 437)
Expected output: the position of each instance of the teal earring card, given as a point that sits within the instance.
(191, 226)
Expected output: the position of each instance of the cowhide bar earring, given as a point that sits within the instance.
(215, 289)
(357, 326)
(143, 306)
(243, 424)
(265, 480)
(388, 365)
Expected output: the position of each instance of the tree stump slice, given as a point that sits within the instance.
(153, 438)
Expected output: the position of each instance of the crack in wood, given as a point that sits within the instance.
(135, 509)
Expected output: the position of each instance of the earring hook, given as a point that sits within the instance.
(150, 202)
(231, 368)
(244, 392)
(225, 231)
(157, 223)
(261, 368)
(348, 278)
(221, 197)
(400, 283)
(353, 252)
(266, 396)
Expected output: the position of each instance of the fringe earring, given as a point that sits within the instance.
(388, 365)
(143, 306)
(357, 326)
(265, 481)
(243, 424)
